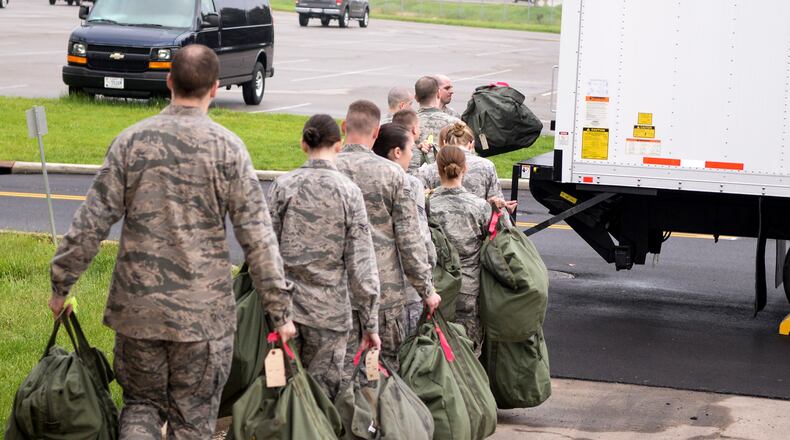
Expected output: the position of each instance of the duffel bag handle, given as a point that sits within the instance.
(62, 319)
(492, 224)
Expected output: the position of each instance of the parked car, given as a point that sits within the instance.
(125, 48)
(69, 2)
(341, 10)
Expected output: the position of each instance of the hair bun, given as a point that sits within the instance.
(458, 129)
(452, 170)
(311, 137)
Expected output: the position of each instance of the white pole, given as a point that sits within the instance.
(49, 193)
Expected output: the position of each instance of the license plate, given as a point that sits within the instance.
(113, 83)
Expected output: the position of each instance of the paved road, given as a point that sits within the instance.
(685, 323)
(316, 69)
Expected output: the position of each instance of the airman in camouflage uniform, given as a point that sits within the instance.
(392, 213)
(319, 217)
(173, 178)
(432, 118)
(413, 309)
(480, 178)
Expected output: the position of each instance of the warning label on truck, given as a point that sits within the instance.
(597, 111)
(644, 119)
(595, 143)
(644, 131)
(643, 147)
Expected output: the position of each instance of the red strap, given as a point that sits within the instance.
(381, 367)
(274, 337)
(492, 224)
(499, 84)
(448, 351)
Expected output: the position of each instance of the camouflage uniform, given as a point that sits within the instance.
(174, 178)
(319, 217)
(480, 178)
(432, 121)
(450, 111)
(465, 218)
(413, 309)
(399, 247)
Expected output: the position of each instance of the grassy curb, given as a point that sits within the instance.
(80, 132)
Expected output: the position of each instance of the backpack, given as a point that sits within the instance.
(249, 343)
(518, 371)
(514, 284)
(500, 121)
(67, 395)
(447, 272)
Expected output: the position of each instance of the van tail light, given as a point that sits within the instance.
(339, 2)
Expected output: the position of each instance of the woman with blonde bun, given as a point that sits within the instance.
(480, 178)
(464, 218)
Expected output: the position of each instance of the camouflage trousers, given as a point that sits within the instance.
(392, 331)
(467, 314)
(175, 382)
(321, 352)
(412, 313)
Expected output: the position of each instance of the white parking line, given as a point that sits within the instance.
(548, 93)
(304, 60)
(498, 52)
(333, 75)
(16, 54)
(283, 108)
(16, 86)
(484, 75)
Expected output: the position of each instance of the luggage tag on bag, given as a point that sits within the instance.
(275, 368)
(372, 365)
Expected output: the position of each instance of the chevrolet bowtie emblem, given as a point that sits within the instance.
(117, 56)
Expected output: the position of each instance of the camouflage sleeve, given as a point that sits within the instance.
(253, 228)
(494, 188)
(276, 209)
(360, 258)
(418, 192)
(408, 240)
(103, 207)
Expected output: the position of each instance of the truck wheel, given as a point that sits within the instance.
(303, 19)
(51, 2)
(3, 3)
(70, 2)
(253, 90)
(786, 276)
(77, 2)
(365, 19)
(344, 18)
(325, 21)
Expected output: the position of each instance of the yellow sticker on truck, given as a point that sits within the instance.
(644, 131)
(595, 143)
(644, 119)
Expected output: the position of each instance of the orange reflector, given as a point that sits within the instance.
(159, 64)
(661, 161)
(724, 165)
(76, 60)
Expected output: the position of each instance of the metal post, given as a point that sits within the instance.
(37, 128)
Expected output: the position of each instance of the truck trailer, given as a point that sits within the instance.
(671, 116)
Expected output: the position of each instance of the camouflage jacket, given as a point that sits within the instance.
(418, 192)
(174, 177)
(394, 223)
(465, 218)
(432, 121)
(319, 217)
(450, 111)
(480, 178)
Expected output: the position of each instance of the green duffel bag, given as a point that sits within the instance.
(299, 410)
(472, 379)
(425, 367)
(518, 371)
(249, 342)
(383, 409)
(514, 284)
(447, 272)
(67, 395)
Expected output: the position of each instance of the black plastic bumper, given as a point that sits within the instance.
(136, 85)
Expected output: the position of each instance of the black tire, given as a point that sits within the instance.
(70, 2)
(786, 276)
(77, 2)
(304, 19)
(3, 4)
(344, 18)
(253, 89)
(51, 2)
(325, 21)
(365, 19)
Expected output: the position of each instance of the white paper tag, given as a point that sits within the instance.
(275, 368)
(372, 364)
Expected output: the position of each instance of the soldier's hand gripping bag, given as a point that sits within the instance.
(299, 410)
(497, 112)
(447, 272)
(67, 395)
(518, 371)
(249, 343)
(514, 284)
(382, 409)
(425, 367)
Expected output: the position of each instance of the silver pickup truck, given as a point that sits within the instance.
(341, 10)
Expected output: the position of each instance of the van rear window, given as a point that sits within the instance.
(155, 13)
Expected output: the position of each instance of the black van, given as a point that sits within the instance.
(124, 48)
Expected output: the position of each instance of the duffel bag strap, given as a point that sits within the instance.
(440, 324)
(492, 224)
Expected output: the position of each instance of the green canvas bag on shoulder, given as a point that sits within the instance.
(67, 395)
(518, 371)
(514, 284)
(447, 272)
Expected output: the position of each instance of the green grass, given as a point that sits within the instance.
(504, 15)
(80, 132)
(25, 319)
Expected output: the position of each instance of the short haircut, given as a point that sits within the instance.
(397, 95)
(194, 71)
(391, 136)
(320, 131)
(362, 117)
(406, 117)
(425, 89)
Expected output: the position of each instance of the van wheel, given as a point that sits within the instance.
(51, 2)
(365, 19)
(3, 3)
(70, 2)
(253, 90)
(325, 21)
(344, 19)
(303, 19)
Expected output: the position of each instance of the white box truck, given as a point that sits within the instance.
(671, 116)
